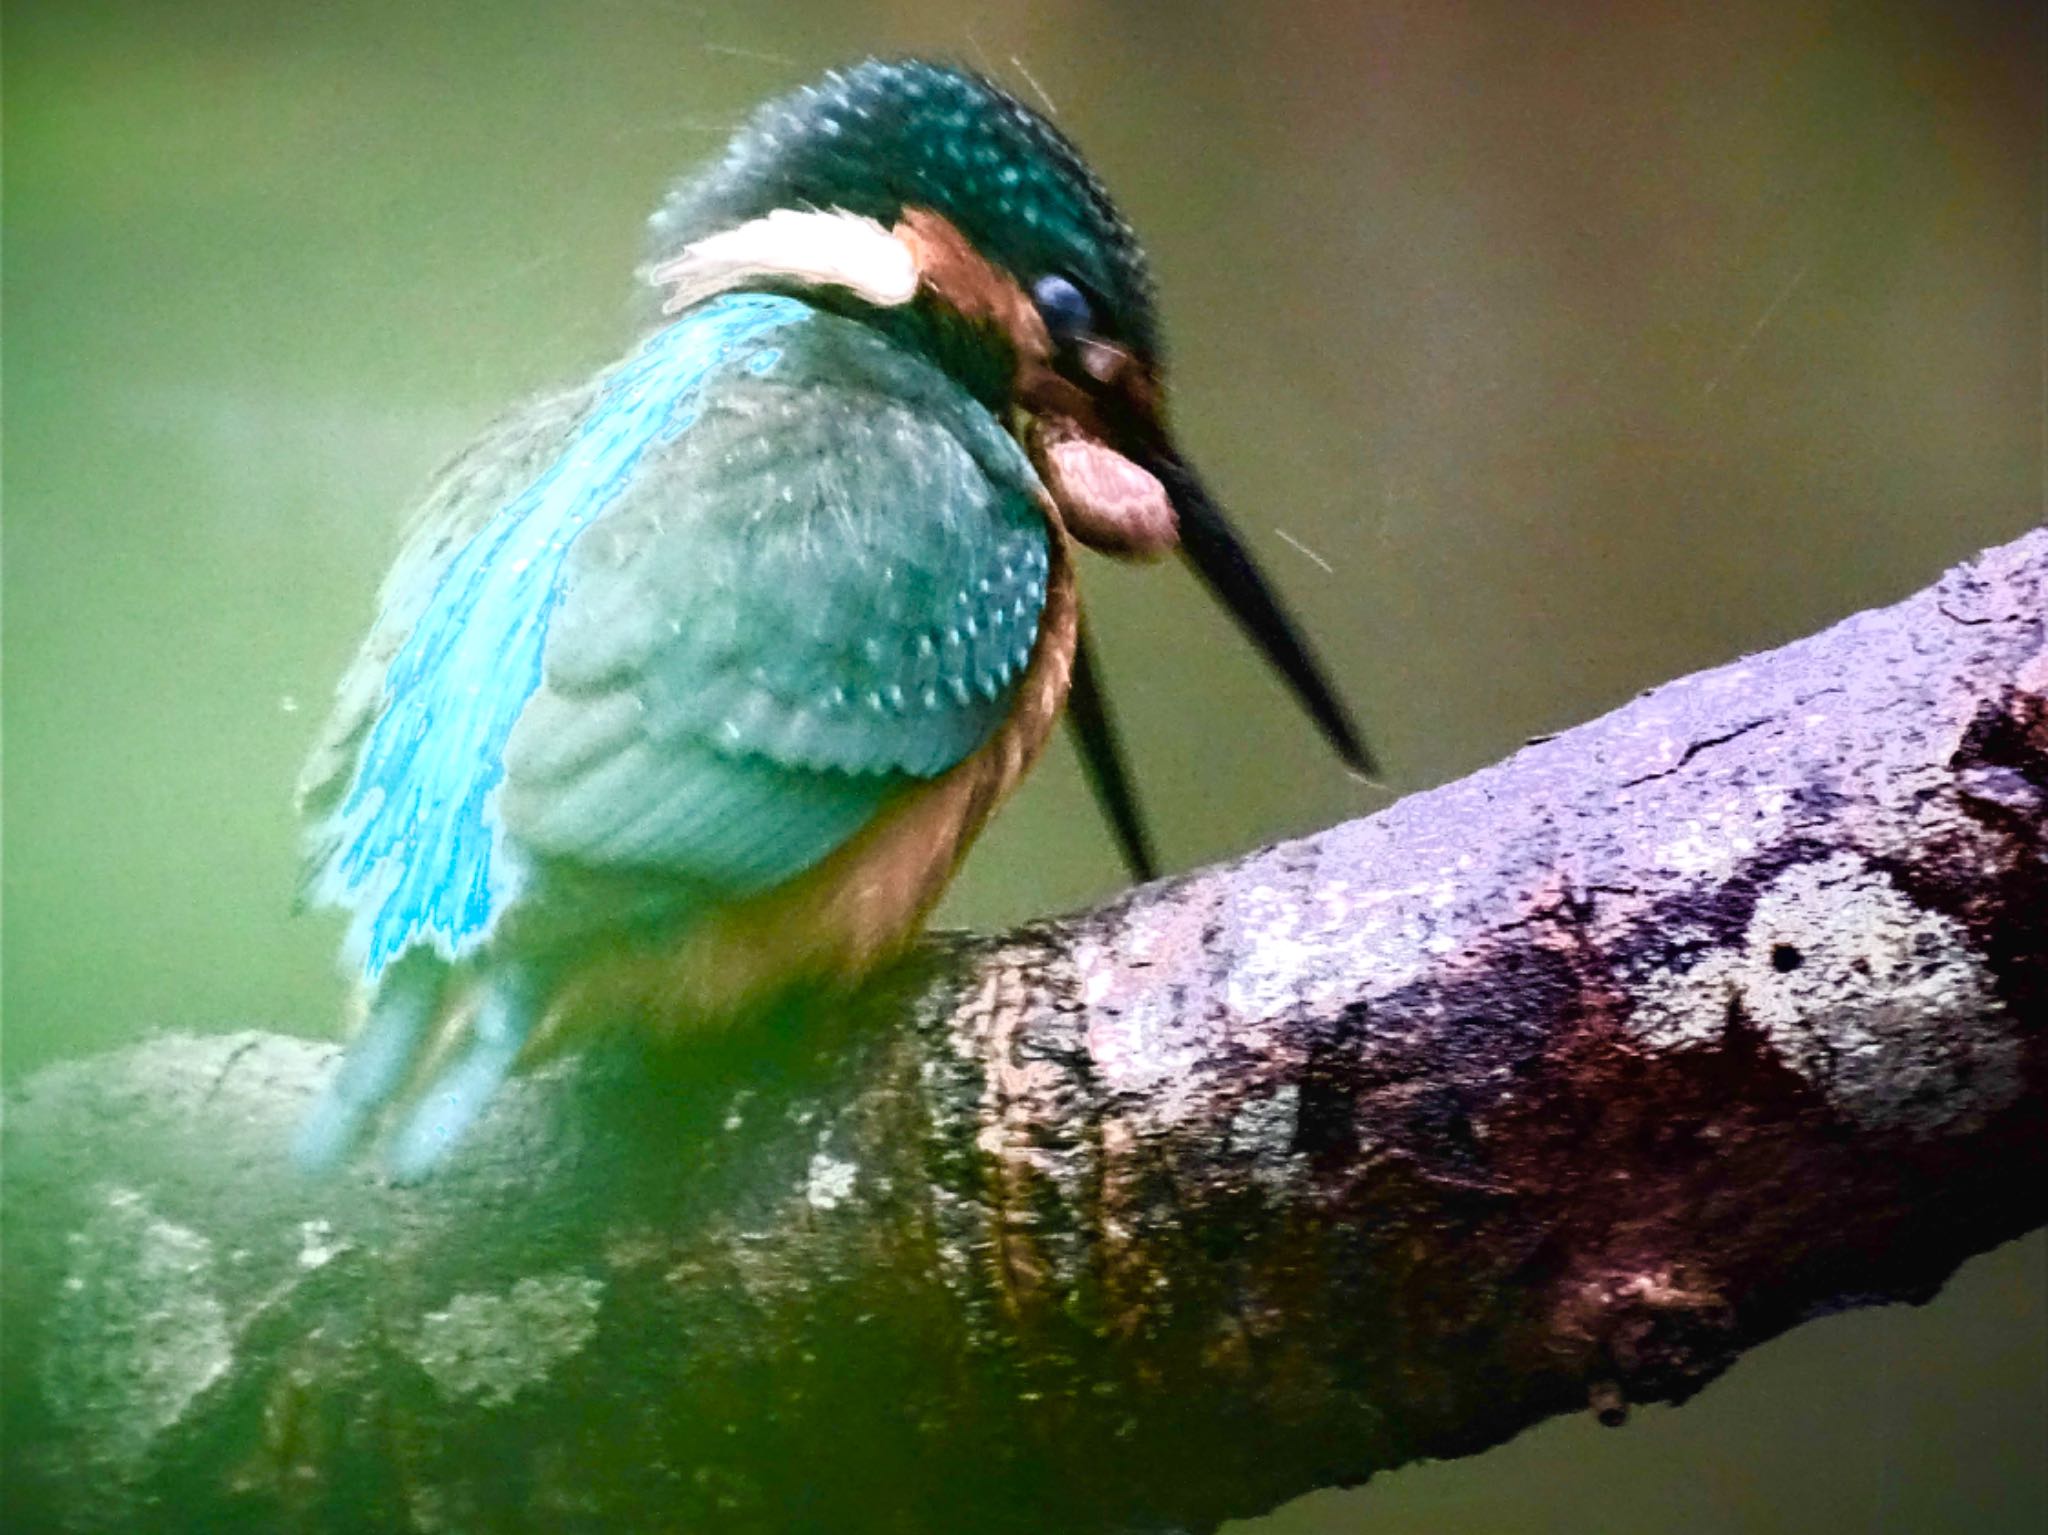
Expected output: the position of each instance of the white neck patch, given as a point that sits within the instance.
(838, 248)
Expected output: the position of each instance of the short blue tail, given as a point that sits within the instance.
(377, 1064)
(512, 1003)
(384, 1057)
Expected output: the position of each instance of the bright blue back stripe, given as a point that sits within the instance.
(423, 857)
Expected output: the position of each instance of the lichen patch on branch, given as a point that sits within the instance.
(493, 1346)
(139, 1331)
(1883, 1006)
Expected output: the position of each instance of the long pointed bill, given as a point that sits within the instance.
(1102, 760)
(1226, 567)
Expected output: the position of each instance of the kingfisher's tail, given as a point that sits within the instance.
(395, 1042)
(379, 1061)
(512, 1003)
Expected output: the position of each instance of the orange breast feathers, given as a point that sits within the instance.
(860, 906)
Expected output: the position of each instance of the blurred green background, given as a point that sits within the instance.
(1544, 351)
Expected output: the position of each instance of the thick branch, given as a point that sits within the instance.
(1563, 1083)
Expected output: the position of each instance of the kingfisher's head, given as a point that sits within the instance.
(932, 203)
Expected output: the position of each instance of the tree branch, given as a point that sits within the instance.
(1559, 1085)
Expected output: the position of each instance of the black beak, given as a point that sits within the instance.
(1103, 762)
(1226, 567)
(1129, 423)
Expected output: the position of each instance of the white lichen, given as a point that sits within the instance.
(1310, 949)
(736, 1110)
(1724, 835)
(1274, 956)
(317, 1247)
(1263, 1130)
(138, 1332)
(1138, 1039)
(1884, 1006)
(828, 1182)
(491, 1347)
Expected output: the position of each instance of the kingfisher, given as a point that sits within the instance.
(699, 680)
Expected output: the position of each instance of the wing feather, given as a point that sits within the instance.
(773, 571)
(466, 494)
(820, 594)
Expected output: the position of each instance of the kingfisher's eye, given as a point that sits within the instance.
(1064, 307)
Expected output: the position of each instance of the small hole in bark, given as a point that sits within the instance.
(1784, 957)
(1608, 1403)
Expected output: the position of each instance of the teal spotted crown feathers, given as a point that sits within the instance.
(886, 135)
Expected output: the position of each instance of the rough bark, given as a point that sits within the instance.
(1559, 1085)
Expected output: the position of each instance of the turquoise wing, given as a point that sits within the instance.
(698, 622)
(822, 592)
(466, 496)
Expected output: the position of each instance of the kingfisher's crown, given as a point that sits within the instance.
(889, 135)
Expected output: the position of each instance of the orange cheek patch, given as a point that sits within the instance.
(1109, 503)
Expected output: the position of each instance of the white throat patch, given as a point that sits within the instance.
(840, 248)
